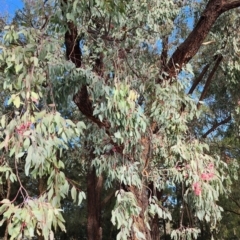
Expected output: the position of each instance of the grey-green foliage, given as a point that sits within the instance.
(35, 134)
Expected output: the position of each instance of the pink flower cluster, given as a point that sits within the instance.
(209, 173)
(197, 188)
(23, 127)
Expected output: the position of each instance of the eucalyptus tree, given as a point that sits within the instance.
(121, 71)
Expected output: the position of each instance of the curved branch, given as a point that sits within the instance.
(74, 53)
(231, 211)
(215, 126)
(198, 79)
(193, 42)
(235, 201)
(228, 4)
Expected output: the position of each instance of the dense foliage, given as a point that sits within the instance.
(120, 115)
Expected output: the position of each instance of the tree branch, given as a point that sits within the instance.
(209, 79)
(231, 211)
(107, 198)
(228, 4)
(235, 201)
(215, 126)
(193, 42)
(164, 53)
(198, 79)
(81, 99)
(74, 53)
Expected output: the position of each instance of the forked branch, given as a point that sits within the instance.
(188, 49)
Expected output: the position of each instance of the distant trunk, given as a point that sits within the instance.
(7, 197)
(94, 189)
(42, 186)
(155, 232)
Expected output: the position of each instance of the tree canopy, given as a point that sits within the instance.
(120, 119)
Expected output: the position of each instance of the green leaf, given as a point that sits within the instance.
(117, 135)
(18, 67)
(26, 143)
(19, 155)
(50, 194)
(74, 194)
(16, 101)
(4, 207)
(3, 121)
(30, 153)
(61, 226)
(81, 125)
(34, 95)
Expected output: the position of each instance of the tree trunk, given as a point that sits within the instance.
(142, 195)
(155, 232)
(193, 42)
(7, 197)
(42, 186)
(94, 189)
(138, 222)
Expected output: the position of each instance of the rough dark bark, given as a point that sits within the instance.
(142, 195)
(164, 54)
(230, 4)
(142, 200)
(81, 99)
(42, 186)
(72, 42)
(94, 189)
(155, 231)
(188, 49)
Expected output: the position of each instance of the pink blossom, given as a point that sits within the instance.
(210, 166)
(23, 127)
(209, 173)
(205, 176)
(197, 188)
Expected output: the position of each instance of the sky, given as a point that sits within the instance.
(9, 6)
